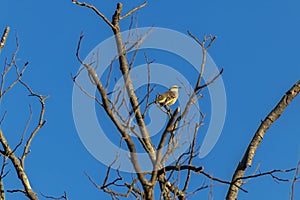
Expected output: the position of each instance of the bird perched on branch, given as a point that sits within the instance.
(168, 98)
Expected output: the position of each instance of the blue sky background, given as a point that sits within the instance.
(258, 45)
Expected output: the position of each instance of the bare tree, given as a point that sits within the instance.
(12, 160)
(166, 181)
(160, 173)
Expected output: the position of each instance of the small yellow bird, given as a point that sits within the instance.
(168, 98)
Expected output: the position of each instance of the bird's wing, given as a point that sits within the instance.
(172, 95)
(160, 97)
(166, 97)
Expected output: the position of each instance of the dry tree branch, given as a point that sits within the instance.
(17, 79)
(201, 171)
(105, 186)
(169, 128)
(24, 130)
(19, 163)
(2, 176)
(41, 121)
(181, 167)
(257, 138)
(202, 187)
(4, 163)
(146, 97)
(210, 40)
(294, 181)
(211, 81)
(7, 68)
(149, 148)
(131, 94)
(16, 191)
(254, 172)
(106, 105)
(4, 37)
(198, 86)
(220, 180)
(135, 104)
(8, 152)
(167, 187)
(84, 91)
(3, 117)
(148, 83)
(136, 44)
(133, 189)
(19, 169)
(95, 10)
(110, 72)
(64, 196)
(133, 10)
(2, 192)
(192, 152)
(271, 173)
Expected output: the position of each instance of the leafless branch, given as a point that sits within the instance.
(84, 91)
(211, 81)
(182, 167)
(112, 192)
(271, 173)
(3, 117)
(2, 176)
(112, 108)
(257, 138)
(110, 71)
(16, 191)
(133, 10)
(4, 36)
(41, 121)
(105, 184)
(294, 181)
(106, 105)
(25, 129)
(202, 187)
(204, 47)
(64, 196)
(95, 10)
(19, 169)
(148, 83)
(219, 180)
(129, 86)
(7, 68)
(162, 141)
(8, 152)
(192, 152)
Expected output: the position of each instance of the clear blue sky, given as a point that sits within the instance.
(258, 46)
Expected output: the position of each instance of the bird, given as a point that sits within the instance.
(168, 98)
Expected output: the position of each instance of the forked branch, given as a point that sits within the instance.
(257, 138)
(95, 10)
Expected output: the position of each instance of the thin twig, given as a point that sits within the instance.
(294, 181)
(96, 11)
(41, 121)
(64, 196)
(133, 10)
(25, 129)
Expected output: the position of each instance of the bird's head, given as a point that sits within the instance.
(174, 88)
